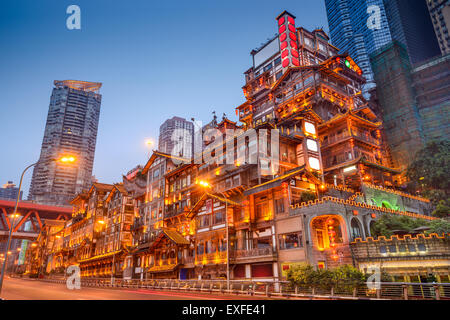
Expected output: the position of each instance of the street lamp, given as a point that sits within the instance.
(65, 159)
(149, 143)
(205, 184)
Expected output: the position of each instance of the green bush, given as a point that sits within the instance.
(388, 223)
(345, 277)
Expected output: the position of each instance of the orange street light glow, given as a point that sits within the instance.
(204, 184)
(68, 159)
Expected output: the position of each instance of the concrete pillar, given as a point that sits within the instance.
(274, 240)
(248, 271)
(276, 276)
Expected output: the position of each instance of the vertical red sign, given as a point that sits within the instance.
(288, 40)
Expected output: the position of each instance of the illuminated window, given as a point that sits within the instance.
(290, 240)
(392, 248)
(311, 144)
(351, 168)
(314, 163)
(310, 128)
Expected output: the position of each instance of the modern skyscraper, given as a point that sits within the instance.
(349, 22)
(440, 16)
(431, 82)
(168, 135)
(10, 191)
(410, 24)
(397, 99)
(71, 129)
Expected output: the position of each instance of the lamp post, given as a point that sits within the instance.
(207, 185)
(68, 159)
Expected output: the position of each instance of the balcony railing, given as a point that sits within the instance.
(338, 291)
(345, 135)
(257, 252)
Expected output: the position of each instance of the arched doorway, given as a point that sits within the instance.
(356, 229)
(327, 231)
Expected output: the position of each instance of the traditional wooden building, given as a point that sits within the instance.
(305, 175)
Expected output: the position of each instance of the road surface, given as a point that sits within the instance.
(27, 289)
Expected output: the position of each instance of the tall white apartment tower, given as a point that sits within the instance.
(71, 129)
(182, 141)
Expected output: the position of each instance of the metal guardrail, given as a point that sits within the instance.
(282, 289)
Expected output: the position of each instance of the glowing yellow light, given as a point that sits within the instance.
(149, 142)
(204, 183)
(67, 159)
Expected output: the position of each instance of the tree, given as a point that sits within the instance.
(429, 173)
(439, 226)
(389, 223)
(442, 209)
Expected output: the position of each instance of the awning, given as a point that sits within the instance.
(165, 268)
(175, 236)
(204, 197)
(375, 165)
(172, 235)
(103, 256)
(278, 181)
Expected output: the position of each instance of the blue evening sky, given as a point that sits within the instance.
(156, 59)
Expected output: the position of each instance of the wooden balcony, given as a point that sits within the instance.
(253, 255)
(211, 258)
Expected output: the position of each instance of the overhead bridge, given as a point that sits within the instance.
(31, 212)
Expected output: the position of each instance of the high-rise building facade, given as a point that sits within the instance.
(10, 191)
(440, 16)
(431, 82)
(397, 99)
(410, 24)
(349, 22)
(71, 129)
(176, 137)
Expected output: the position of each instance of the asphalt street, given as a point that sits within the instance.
(27, 289)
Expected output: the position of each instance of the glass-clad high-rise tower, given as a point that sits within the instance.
(71, 129)
(351, 32)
